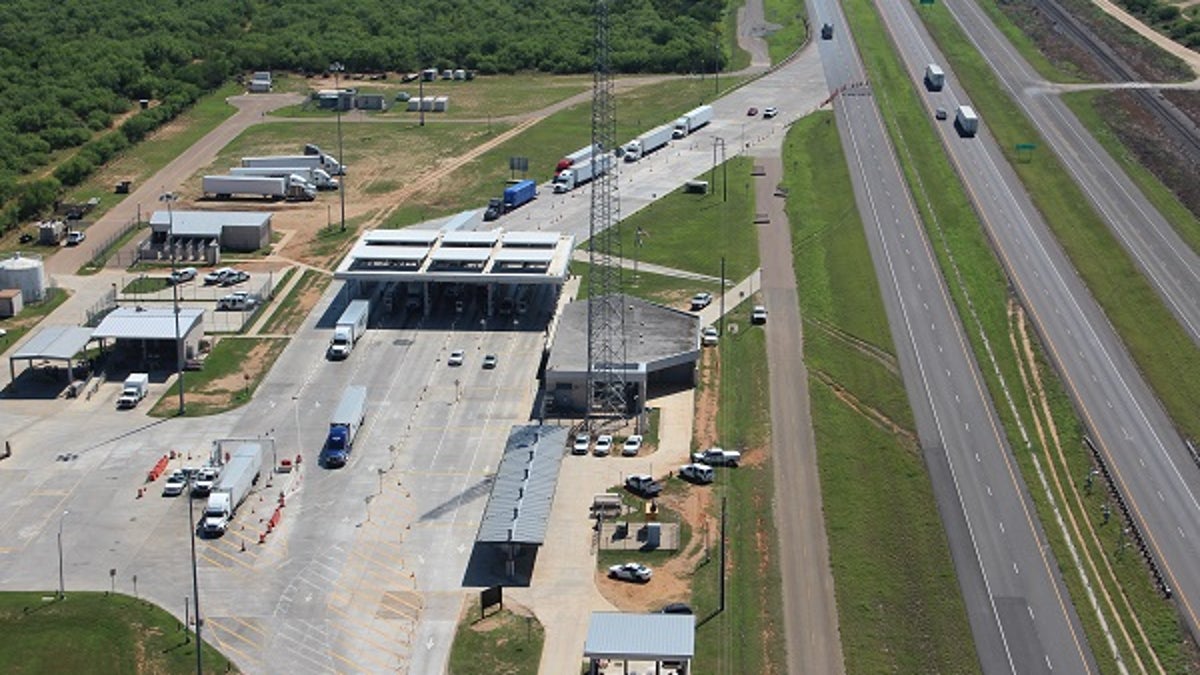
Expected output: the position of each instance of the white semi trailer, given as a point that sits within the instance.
(648, 142)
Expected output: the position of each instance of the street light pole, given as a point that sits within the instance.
(337, 68)
(195, 580)
(62, 590)
(169, 198)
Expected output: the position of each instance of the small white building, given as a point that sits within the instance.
(232, 230)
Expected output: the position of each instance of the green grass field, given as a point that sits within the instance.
(503, 642)
(899, 605)
(473, 183)
(288, 313)
(95, 633)
(747, 636)
(792, 19)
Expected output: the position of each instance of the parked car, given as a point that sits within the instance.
(632, 445)
(176, 483)
(643, 485)
(237, 302)
(710, 337)
(182, 275)
(489, 361)
(234, 277)
(676, 608)
(456, 358)
(769, 112)
(696, 473)
(75, 237)
(759, 315)
(631, 571)
(701, 300)
(604, 444)
(717, 457)
(582, 443)
(217, 275)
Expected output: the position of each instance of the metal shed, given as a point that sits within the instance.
(234, 230)
(152, 330)
(668, 641)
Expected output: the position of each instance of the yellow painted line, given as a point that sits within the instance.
(223, 646)
(369, 560)
(357, 667)
(214, 549)
(402, 600)
(218, 624)
(249, 625)
(357, 622)
(49, 493)
(203, 555)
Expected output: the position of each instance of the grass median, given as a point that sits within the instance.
(232, 371)
(502, 642)
(294, 307)
(899, 605)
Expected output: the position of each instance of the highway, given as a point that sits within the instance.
(1019, 613)
(1145, 454)
(1172, 267)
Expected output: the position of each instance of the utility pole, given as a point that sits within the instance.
(336, 67)
(195, 582)
(169, 198)
(62, 588)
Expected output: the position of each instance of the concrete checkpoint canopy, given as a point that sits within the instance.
(641, 637)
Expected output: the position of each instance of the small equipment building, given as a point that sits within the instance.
(242, 231)
(145, 335)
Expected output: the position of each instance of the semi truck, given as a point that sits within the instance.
(648, 142)
(224, 187)
(321, 161)
(343, 427)
(693, 120)
(582, 172)
(237, 478)
(319, 178)
(349, 328)
(935, 77)
(575, 158)
(136, 386)
(966, 120)
(515, 195)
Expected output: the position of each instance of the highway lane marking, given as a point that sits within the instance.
(989, 489)
(350, 619)
(213, 549)
(1053, 348)
(1015, 568)
(1181, 534)
(878, 122)
(1002, 530)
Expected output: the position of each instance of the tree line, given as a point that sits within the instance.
(70, 69)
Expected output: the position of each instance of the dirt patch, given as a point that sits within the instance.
(708, 403)
(672, 579)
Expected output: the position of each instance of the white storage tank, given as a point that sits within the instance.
(26, 272)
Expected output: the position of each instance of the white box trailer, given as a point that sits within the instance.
(935, 77)
(225, 187)
(319, 161)
(349, 328)
(582, 172)
(238, 476)
(317, 177)
(693, 120)
(344, 426)
(966, 120)
(576, 157)
(648, 142)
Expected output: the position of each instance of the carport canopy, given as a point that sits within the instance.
(52, 343)
(622, 636)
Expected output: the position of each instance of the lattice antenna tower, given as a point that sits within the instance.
(606, 314)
